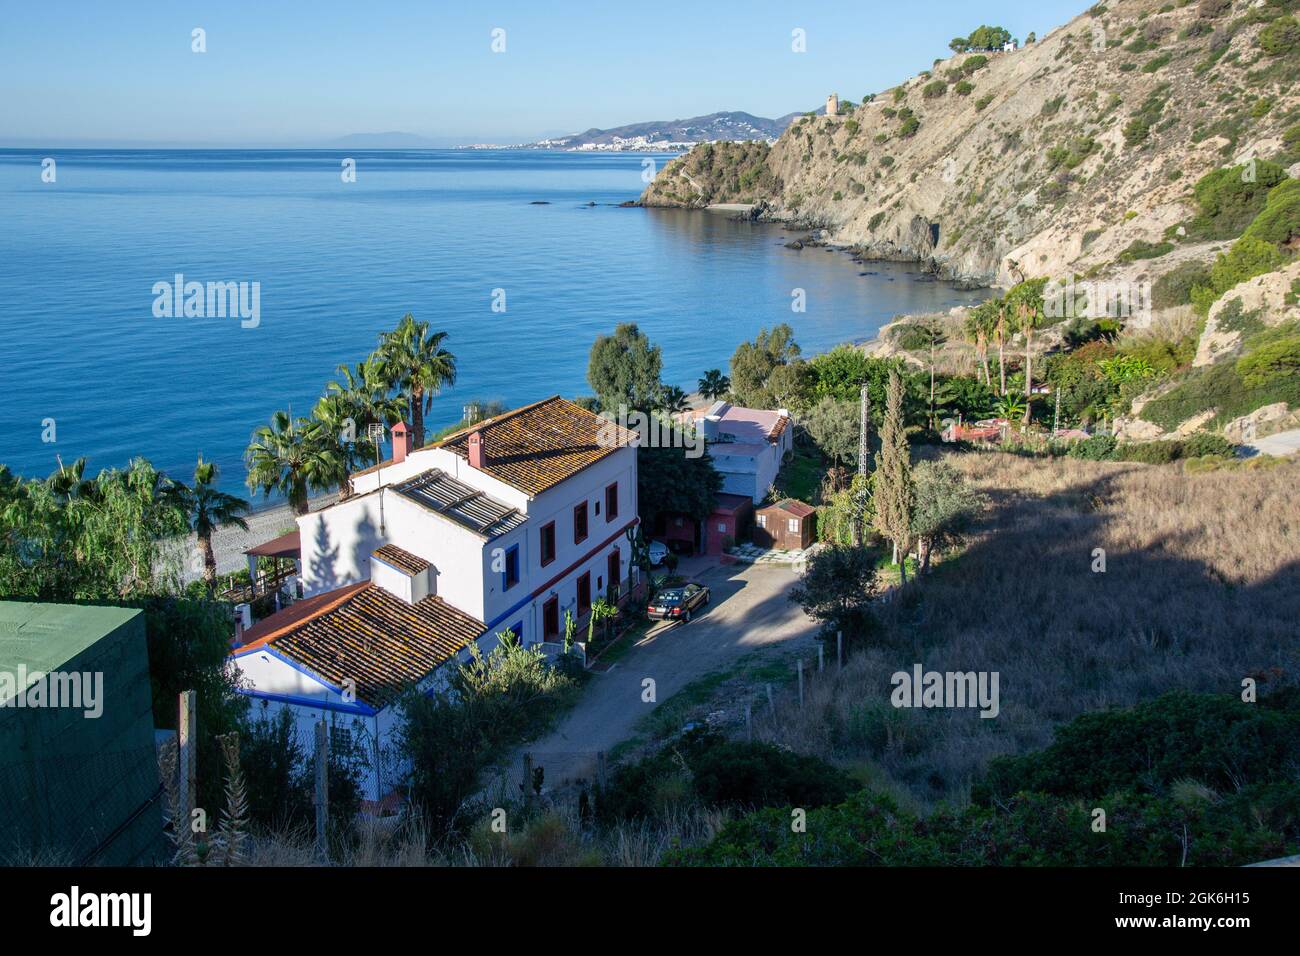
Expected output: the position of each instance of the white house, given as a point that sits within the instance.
(747, 446)
(507, 524)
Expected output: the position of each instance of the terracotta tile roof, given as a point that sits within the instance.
(538, 446)
(269, 628)
(401, 559)
(374, 638)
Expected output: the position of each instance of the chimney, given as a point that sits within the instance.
(476, 456)
(401, 442)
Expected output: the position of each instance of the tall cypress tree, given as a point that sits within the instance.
(893, 494)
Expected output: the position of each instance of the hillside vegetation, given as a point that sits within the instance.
(1074, 153)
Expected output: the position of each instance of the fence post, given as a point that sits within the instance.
(839, 648)
(187, 742)
(749, 722)
(771, 703)
(528, 780)
(821, 658)
(801, 683)
(322, 795)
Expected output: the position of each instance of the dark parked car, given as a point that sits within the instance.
(676, 604)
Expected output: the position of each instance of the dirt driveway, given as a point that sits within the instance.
(749, 610)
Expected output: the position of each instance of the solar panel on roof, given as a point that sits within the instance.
(467, 506)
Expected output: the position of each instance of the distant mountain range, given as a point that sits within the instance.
(733, 126)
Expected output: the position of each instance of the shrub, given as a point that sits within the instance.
(963, 88)
(1279, 221)
(1156, 63)
(1246, 259)
(1096, 448)
(908, 127)
(1230, 199)
(1141, 249)
(1150, 452)
(982, 102)
(1272, 364)
(934, 89)
(721, 773)
(1174, 288)
(1220, 387)
(1216, 740)
(1204, 444)
(1280, 37)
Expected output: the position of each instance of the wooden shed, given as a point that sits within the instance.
(788, 524)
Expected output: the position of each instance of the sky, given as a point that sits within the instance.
(286, 72)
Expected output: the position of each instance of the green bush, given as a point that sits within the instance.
(1141, 249)
(1096, 448)
(1185, 779)
(1202, 444)
(1279, 221)
(1280, 37)
(1229, 199)
(963, 88)
(1174, 288)
(934, 89)
(1150, 452)
(1214, 739)
(1271, 365)
(1220, 387)
(982, 102)
(1246, 259)
(722, 773)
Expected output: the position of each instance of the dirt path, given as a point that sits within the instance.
(750, 609)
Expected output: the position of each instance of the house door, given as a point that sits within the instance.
(584, 593)
(551, 619)
(613, 571)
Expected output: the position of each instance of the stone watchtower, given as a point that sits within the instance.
(833, 105)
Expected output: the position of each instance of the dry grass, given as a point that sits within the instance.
(553, 837)
(1201, 589)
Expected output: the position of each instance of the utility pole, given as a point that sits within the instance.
(1056, 415)
(864, 421)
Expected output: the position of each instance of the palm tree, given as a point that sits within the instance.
(714, 385)
(978, 327)
(364, 393)
(672, 400)
(417, 365)
(338, 429)
(1000, 328)
(1028, 317)
(207, 508)
(292, 457)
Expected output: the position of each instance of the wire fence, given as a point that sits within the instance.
(82, 809)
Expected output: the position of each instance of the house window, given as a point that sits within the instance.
(340, 739)
(584, 593)
(548, 543)
(551, 619)
(722, 527)
(613, 569)
(762, 521)
(611, 502)
(510, 576)
(580, 523)
(793, 525)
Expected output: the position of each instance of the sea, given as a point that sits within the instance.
(523, 257)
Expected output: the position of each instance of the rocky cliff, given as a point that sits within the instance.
(1072, 155)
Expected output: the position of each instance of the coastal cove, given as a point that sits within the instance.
(443, 234)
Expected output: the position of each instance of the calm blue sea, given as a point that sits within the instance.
(430, 232)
